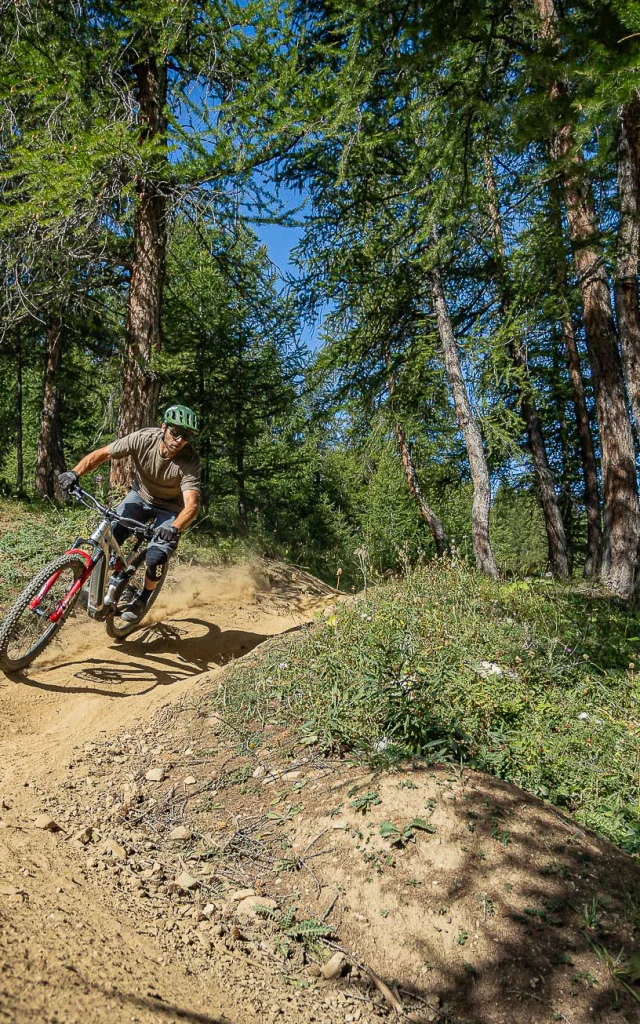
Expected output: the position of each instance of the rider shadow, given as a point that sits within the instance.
(157, 655)
(210, 646)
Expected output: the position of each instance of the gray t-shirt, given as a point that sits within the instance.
(159, 481)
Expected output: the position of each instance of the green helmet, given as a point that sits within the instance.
(181, 416)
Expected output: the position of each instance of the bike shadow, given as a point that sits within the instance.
(156, 655)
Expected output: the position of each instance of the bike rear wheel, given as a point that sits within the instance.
(117, 627)
(27, 628)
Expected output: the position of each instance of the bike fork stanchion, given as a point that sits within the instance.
(42, 593)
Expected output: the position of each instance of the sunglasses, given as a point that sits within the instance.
(179, 434)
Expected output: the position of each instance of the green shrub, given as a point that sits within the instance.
(399, 672)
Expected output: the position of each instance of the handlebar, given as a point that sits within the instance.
(87, 499)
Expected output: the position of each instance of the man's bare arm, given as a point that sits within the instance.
(92, 460)
(190, 510)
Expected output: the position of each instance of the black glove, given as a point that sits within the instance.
(67, 480)
(167, 535)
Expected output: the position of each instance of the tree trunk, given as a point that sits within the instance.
(626, 272)
(431, 519)
(19, 432)
(49, 460)
(619, 484)
(565, 503)
(243, 524)
(556, 537)
(470, 431)
(141, 384)
(593, 557)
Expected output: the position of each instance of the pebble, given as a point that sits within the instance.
(186, 881)
(247, 909)
(112, 847)
(84, 836)
(155, 775)
(180, 832)
(333, 967)
(190, 780)
(240, 894)
(47, 823)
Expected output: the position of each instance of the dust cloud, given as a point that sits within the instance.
(187, 589)
(194, 588)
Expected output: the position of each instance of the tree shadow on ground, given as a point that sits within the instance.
(508, 921)
(157, 1005)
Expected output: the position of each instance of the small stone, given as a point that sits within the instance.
(186, 881)
(313, 970)
(291, 776)
(248, 909)
(155, 775)
(259, 773)
(84, 836)
(180, 832)
(334, 967)
(240, 894)
(432, 999)
(205, 941)
(48, 824)
(130, 794)
(190, 780)
(209, 910)
(112, 847)
(340, 826)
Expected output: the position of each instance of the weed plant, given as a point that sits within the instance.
(532, 681)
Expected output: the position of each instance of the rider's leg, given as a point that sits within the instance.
(158, 552)
(131, 507)
(157, 555)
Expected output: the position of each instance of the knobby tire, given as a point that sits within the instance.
(17, 618)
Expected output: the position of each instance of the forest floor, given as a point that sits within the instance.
(138, 837)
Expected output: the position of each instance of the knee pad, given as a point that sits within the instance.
(155, 561)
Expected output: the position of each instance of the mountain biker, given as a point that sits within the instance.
(165, 490)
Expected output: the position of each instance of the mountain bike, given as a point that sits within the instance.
(110, 579)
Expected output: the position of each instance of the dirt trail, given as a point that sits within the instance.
(67, 953)
(467, 898)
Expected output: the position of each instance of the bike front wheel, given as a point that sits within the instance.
(29, 625)
(117, 627)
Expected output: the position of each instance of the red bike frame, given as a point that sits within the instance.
(78, 584)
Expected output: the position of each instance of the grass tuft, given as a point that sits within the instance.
(532, 681)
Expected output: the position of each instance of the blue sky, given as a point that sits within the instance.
(280, 241)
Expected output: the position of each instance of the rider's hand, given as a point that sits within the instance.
(67, 480)
(168, 535)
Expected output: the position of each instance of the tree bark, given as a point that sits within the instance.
(242, 520)
(593, 557)
(141, 384)
(427, 513)
(556, 536)
(49, 458)
(619, 484)
(565, 502)
(470, 431)
(626, 271)
(19, 430)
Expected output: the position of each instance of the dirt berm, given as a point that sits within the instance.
(157, 867)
